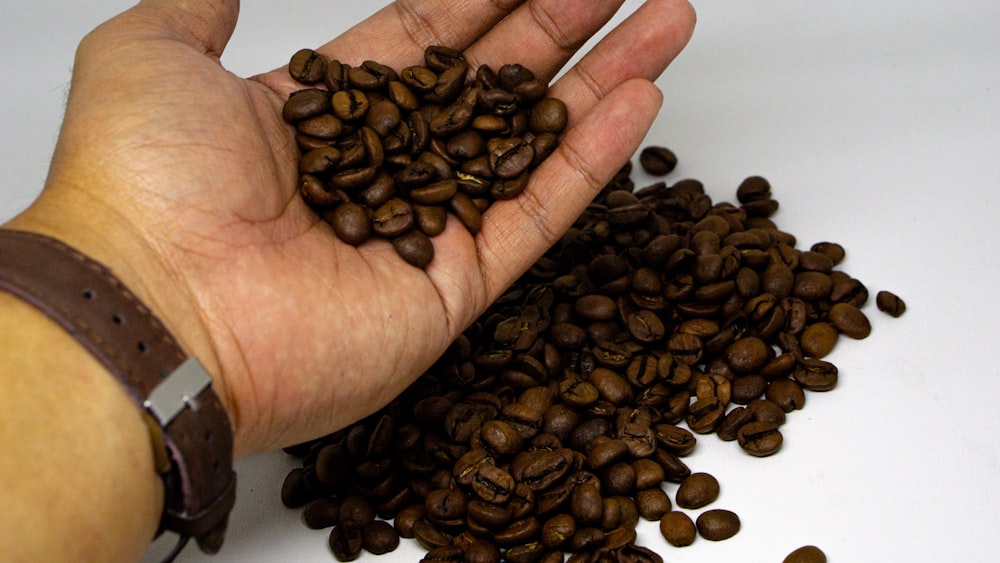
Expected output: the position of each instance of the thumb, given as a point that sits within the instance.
(203, 25)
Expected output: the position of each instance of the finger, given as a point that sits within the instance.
(517, 232)
(206, 26)
(397, 34)
(542, 34)
(640, 47)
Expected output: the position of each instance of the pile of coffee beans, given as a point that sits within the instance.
(561, 417)
(389, 154)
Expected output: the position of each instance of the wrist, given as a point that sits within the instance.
(77, 454)
(138, 261)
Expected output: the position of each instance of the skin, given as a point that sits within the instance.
(182, 178)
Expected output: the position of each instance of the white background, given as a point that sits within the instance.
(878, 124)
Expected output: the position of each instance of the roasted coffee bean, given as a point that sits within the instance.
(307, 66)
(349, 105)
(356, 510)
(548, 116)
(678, 529)
(444, 505)
(619, 479)
(786, 393)
(890, 303)
(428, 536)
(658, 161)
(586, 504)
(735, 419)
(586, 539)
(831, 249)
(806, 554)
(648, 473)
(818, 339)
(393, 218)
(509, 157)
(321, 513)
(849, 320)
(747, 388)
(718, 524)
(379, 537)
(406, 518)
(346, 542)
(816, 375)
(415, 248)
(698, 490)
(305, 104)
(558, 530)
(759, 439)
(652, 503)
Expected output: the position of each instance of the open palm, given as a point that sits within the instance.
(309, 333)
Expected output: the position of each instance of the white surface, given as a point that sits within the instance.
(878, 124)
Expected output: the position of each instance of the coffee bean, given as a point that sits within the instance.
(816, 375)
(307, 66)
(652, 503)
(305, 104)
(351, 223)
(698, 490)
(586, 504)
(346, 542)
(658, 161)
(548, 116)
(379, 537)
(415, 248)
(718, 524)
(890, 303)
(510, 157)
(818, 339)
(806, 554)
(678, 529)
(759, 439)
(786, 393)
(321, 513)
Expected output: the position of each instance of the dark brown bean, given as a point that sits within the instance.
(890, 303)
(678, 529)
(718, 524)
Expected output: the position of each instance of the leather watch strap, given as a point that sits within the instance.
(87, 300)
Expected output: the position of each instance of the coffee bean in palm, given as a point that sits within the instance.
(890, 303)
(307, 66)
(548, 116)
(351, 223)
(806, 554)
(658, 161)
(718, 524)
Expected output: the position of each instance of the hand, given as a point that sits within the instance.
(182, 177)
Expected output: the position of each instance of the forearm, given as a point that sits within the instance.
(76, 472)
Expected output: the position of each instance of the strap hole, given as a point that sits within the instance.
(89, 294)
(208, 435)
(118, 319)
(143, 347)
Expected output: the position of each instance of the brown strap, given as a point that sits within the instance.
(90, 303)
